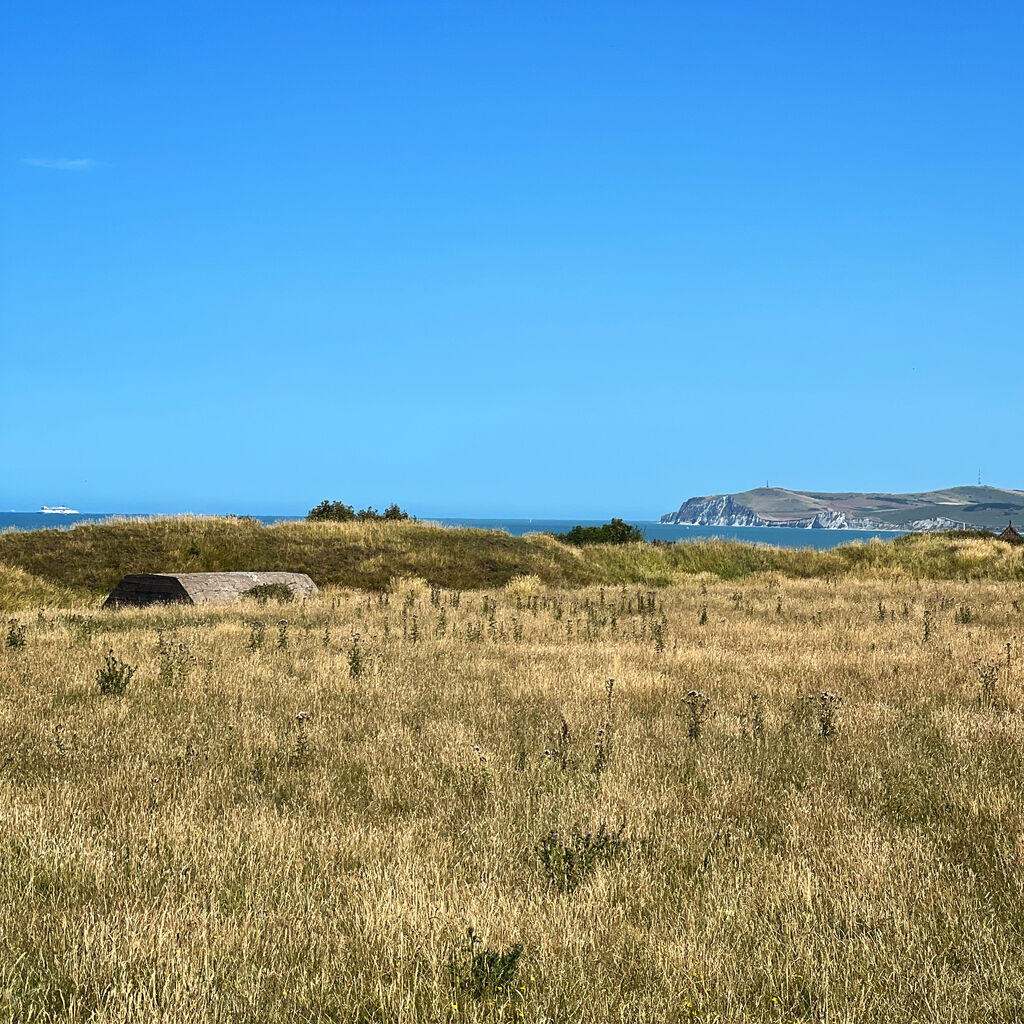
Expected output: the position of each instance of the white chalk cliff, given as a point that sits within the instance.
(724, 510)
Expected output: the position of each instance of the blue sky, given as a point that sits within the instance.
(567, 259)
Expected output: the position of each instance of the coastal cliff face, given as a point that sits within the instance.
(717, 510)
(937, 523)
(724, 510)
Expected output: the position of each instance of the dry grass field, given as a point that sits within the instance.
(763, 799)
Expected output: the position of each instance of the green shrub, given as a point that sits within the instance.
(15, 634)
(264, 592)
(616, 532)
(335, 511)
(484, 972)
(339, 512)
(115, 675)
(569, 860)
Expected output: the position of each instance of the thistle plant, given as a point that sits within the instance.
(988, 680)
(482, 972)
(355, 656)
(965, 615)
(560, 751)
(602, 753)
(114, 675)
(569, 860)
(15, 634)
(695, 710)
(754, 716)
(609, 689)
(826, 708)
(176, 662)
(658, 633)
(257, 633)
(301, 753)
(482, 779)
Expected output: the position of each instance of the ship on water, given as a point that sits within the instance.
(59, 510)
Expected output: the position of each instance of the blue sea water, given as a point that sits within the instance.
(779, 536)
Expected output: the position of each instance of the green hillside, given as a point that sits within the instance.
(94, 556)
(77, 565)
(987, 508)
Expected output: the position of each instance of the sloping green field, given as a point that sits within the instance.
(54, 565)
(985, 508)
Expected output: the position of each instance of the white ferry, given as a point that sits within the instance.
(59, 510)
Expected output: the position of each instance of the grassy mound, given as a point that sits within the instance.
(363, 555)
(359, 554)
(947, 556)
(20, 590)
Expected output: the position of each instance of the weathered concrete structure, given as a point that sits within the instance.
(202, 587)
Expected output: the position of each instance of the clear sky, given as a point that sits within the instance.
(553, 258)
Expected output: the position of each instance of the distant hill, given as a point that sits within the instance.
(955, 508)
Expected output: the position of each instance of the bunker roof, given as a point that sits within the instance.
(202, 587)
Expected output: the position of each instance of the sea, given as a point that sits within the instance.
(775, 536)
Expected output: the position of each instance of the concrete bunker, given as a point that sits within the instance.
(202, 587)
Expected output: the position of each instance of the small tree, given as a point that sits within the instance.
(616, 532)
(335, 511)
(338, 512)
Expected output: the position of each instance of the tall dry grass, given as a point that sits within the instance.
(20, 590)
(255, 833)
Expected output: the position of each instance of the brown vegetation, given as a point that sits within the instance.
(763, 800)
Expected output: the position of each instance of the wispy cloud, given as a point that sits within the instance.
(63, 164)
